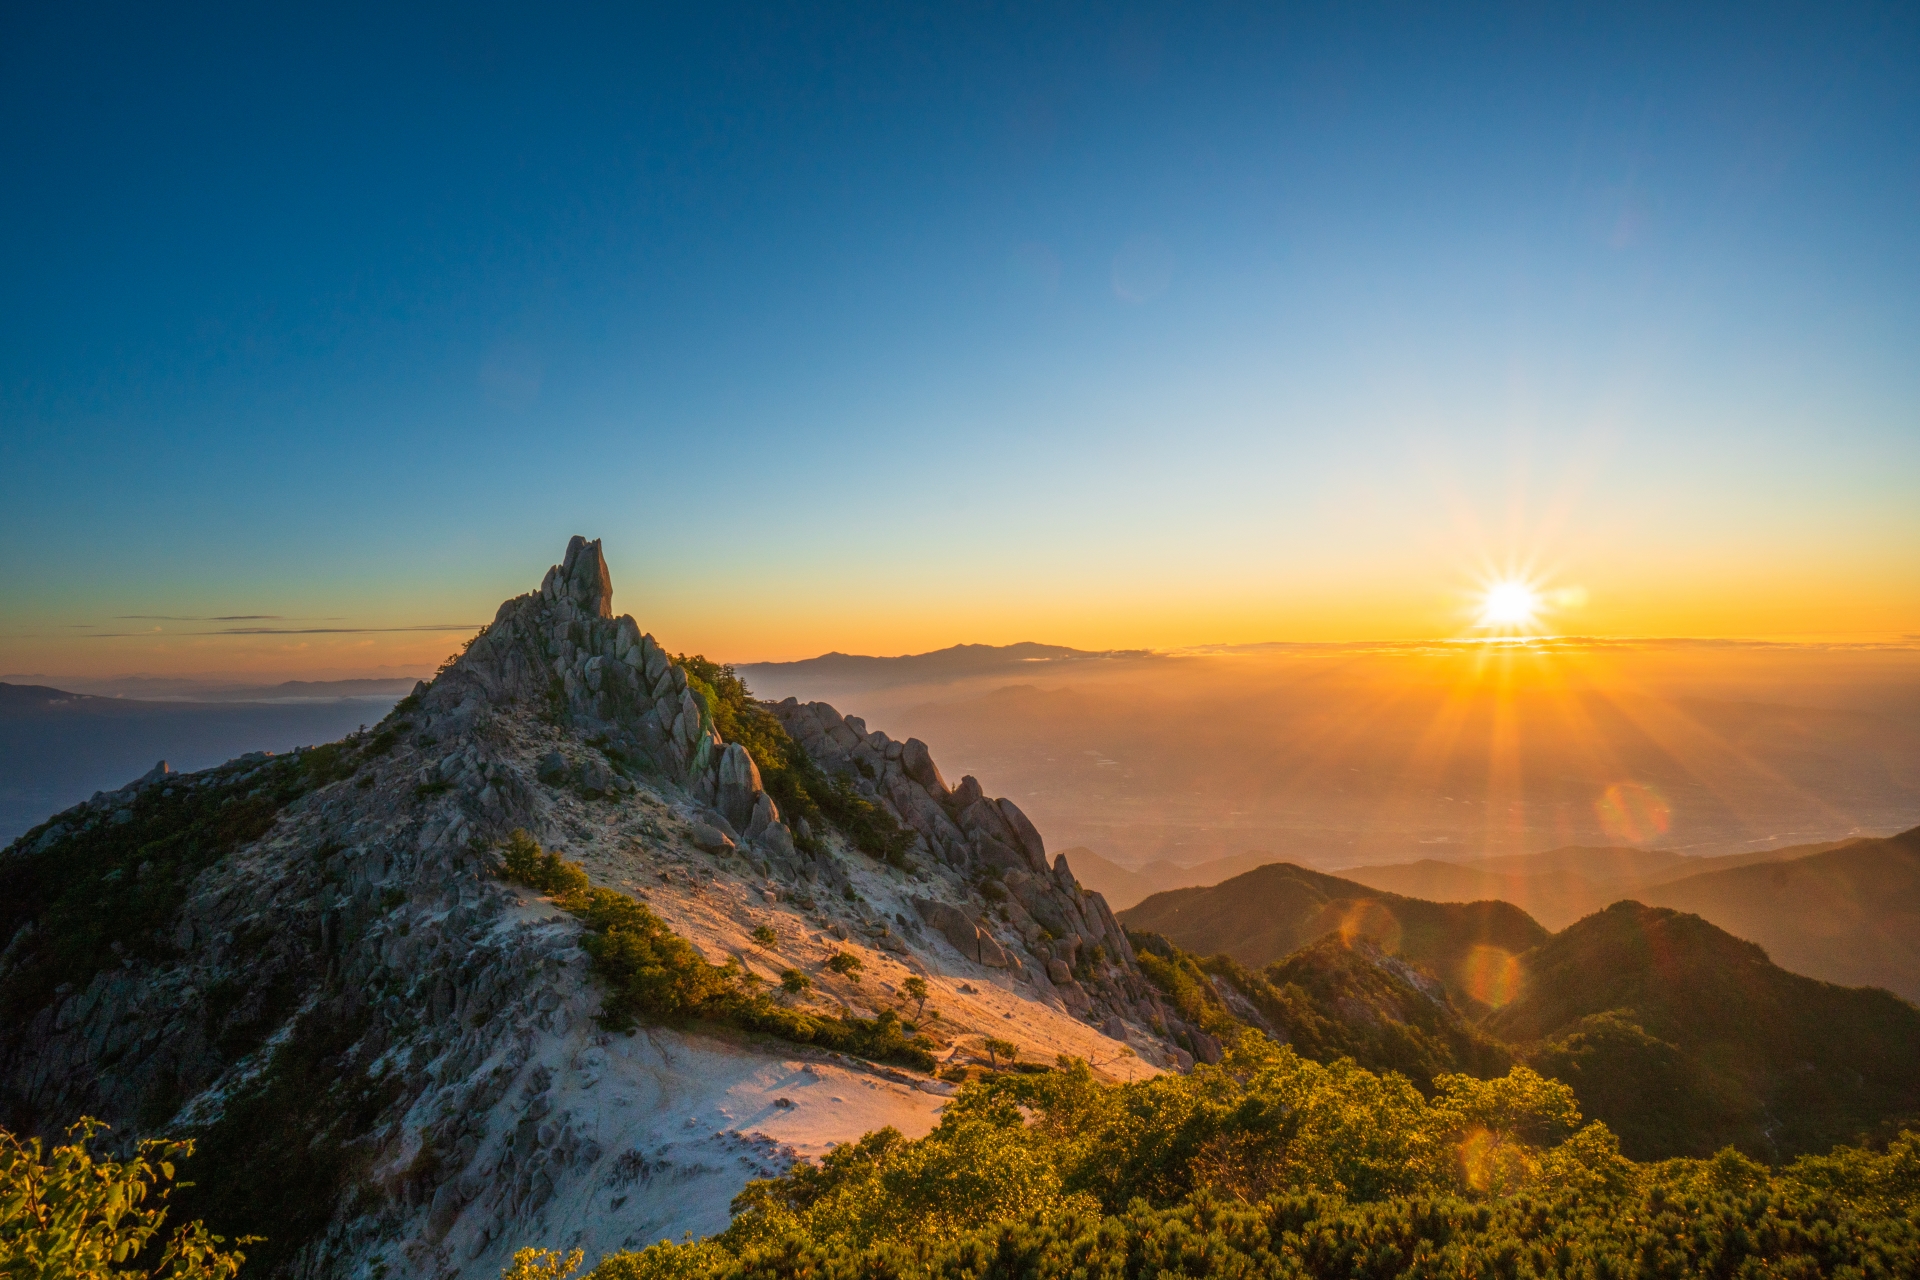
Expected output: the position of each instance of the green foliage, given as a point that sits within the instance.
(998, 1049)
(1618, 1070)
(334, 762)
(79, 1216)
(1272, 1165)
(916, 990)
(542, 1264)
(846, 964)
(794, 982)
(798, 785)
(764, 936)
(524, 861)
(653, 974)
(1180, 977)
(1682, 1038)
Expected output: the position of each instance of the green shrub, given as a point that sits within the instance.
(846, 964)
(525, 862)
(325, 764)
(385, 737)
(653, 974)
(542, 1264)
(79, 1215)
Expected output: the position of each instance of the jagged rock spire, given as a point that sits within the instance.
(582, 578)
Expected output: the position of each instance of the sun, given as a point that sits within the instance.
(1509, 604)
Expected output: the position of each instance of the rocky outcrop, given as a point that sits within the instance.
(1025, 915)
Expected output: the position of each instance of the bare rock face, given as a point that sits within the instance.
(738, 789)
(962, 933)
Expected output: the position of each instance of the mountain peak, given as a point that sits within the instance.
(334, 923)
(582, 577)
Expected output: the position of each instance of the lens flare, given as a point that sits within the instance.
(1373, 921)
(1491, 975)
(1479, 1158)
(1633, 811)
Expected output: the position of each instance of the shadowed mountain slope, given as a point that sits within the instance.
(1259, 917)
(1334, 998)
(1849, 915)
(1684, 1038)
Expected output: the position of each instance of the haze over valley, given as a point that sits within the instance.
(1339, 756)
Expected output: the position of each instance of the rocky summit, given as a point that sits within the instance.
(395, 1060)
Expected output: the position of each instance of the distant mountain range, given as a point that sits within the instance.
(205, 689)
(1682, 1037)
(1561, 885)
(58, 747)
(1844, 911)
(1124, 886)
(1849, 914)
(833, 673)
(1556, 887)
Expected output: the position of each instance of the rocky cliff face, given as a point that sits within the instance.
(390, 1056)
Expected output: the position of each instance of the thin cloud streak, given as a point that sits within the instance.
(291, 631)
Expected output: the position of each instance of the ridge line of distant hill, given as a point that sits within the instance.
(1846, 912)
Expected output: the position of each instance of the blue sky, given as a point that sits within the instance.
(888, 328)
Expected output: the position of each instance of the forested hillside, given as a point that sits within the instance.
(1269, 912)
(1682, 1038)
(1685, 1039)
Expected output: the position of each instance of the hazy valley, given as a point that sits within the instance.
(1334, 756)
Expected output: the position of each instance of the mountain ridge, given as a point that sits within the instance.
(393, 1058)
(1265, 914)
